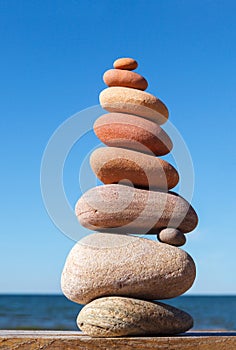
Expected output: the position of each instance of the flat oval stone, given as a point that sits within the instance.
(119, 208)
(172, 236)
(120, 77)
(125, 63)
(119, 316)
(134, 101)
(113, 165)
(130, 131)
(101, 265)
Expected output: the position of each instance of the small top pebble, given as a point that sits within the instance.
(125, 63)
(172, 236)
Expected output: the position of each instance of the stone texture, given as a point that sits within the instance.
(120, 77)
(129, 131)
(119, 208)
(117, 316)
(113, 165)
(105, 264)
(125, 63)
(172, 236)
(133, 101)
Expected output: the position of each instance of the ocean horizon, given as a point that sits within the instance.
(56, 312)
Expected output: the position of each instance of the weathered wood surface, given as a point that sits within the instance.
(54, 340)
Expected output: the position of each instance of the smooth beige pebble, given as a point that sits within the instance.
(106, 264)
(134, 101)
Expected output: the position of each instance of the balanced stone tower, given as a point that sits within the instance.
(117, 274)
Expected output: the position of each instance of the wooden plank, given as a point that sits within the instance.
(54, 340)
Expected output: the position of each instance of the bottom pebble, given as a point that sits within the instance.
(120, 316)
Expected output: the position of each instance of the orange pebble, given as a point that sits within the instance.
(125, 63)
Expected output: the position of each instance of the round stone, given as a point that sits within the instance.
(172, 236)
(106, 264)
(119, 77)
(134, 101)
(129, 131)
(114, 165)
(125, 63)
(119, 208)
(119, 316)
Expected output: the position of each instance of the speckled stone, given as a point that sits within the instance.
(172, 236)
(119, 316)
(120, 77)
(119, 208)
(125, 63)
(113, 165)
(133, 101)
(104, 264)
(133, 132)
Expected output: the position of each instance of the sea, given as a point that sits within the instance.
(55, 312)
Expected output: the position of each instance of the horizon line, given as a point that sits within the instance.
(61, 294)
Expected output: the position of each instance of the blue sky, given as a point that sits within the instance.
(53, 55)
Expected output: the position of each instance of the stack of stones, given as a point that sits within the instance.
(118, 274)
